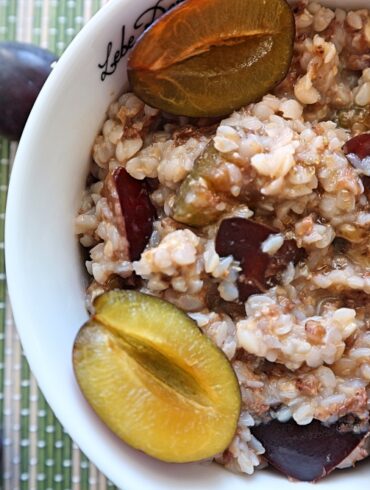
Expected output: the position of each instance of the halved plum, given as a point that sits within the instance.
(306, 452)
(155, 379)
(243, 239)
(204, 58)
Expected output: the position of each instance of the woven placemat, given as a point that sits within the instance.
(37, 453)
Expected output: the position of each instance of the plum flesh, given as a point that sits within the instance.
(155, 379)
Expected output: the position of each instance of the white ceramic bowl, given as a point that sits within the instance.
(44, 267)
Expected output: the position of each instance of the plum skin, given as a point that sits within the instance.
(242, 238)
(306, 452)
(137, 210)
(24, 70)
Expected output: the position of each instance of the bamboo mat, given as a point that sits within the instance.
(37, 453)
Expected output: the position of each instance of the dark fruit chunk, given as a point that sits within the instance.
(215, 303)
(24, 69)
(341, 245)
(137, 210)
(204, 58)
(243, 238)
(306, 452)
(359, 145)
(357, 150)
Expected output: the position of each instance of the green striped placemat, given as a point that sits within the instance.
(37, 453)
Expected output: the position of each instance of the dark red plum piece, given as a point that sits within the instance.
(360, 145)
(137, 210)
(243, 238)
(357, 150)
(24, 69)
(306, 452)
